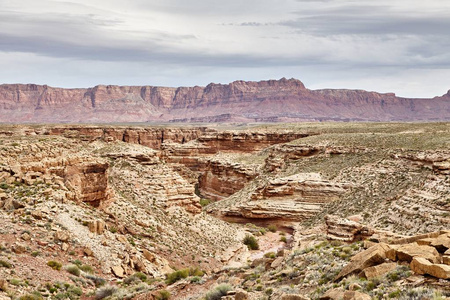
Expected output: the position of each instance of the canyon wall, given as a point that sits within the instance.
(281, 100)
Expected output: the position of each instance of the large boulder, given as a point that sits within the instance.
(441, 243)
(373, 256)
(377, 271)
(423, 266)
(409, 251)
(339, 294)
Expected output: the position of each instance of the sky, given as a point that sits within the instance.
(399, 46)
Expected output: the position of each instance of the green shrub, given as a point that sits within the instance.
(272, 228)
(73, 269)
(35, 253)
(177, 275)
(204, 202)
(77, 262)
(195, 279)
(5, 264)
(218, 292)
(195, 272)
(268, 291)
(270, 255)
(33, 296)
(251, 242)
(163, 295)
(283, 239)
(55, 265)
(15, 282)
(87, 269)
(395, 294)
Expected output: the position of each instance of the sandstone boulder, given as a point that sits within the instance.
(441, 243)
(97, 226)
(339, 294)
(3, 285)
(62, 235)
(37, 214)
(241, 295)
(118, 271)
(375, 255)
(19, 248)
(422, 266)
(149, 256)
(377, 271)
(409, 251)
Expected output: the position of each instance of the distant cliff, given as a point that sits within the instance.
(284, 100)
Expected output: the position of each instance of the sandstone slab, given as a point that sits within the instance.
(377, 271)
(370, 257)
(422, 266)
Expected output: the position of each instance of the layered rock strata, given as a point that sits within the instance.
(284, 100)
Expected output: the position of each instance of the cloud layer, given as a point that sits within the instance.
(399, 46)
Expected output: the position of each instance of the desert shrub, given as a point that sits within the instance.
(218, 292)
(195, 272)
(283, 239)
(33, 296)
(5, 264)
(77, 262)
(4, 186)
(204, 202)
(270, 255)
(268, 291)
(136, 277)
(272, 228)
(177, 275)
(73, 269)
(106, 291)
(98, 281)
(55, 265)
(251, 242)
(163, 295)
(87, 269)
(195, 279)
(15, 282)
(395, 294)
(35, 253)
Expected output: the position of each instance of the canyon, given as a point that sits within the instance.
(338, 210)
(284, 100)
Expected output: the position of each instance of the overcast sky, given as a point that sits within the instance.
(400, 46)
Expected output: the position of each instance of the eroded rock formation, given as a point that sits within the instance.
(266, 101)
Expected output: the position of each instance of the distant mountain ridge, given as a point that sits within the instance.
(284, 100)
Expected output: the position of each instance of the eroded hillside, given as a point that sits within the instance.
(144, 212)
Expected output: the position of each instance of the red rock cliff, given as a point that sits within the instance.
(272, 100)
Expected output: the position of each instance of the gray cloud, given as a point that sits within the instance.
(190, 40)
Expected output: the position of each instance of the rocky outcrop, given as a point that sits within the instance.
(297, 197)
(373, 256)
(220, 179)
(340, 293)
(423, 266)
(281, 100)
(346, 230)
(88, 182)
(152, 137)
